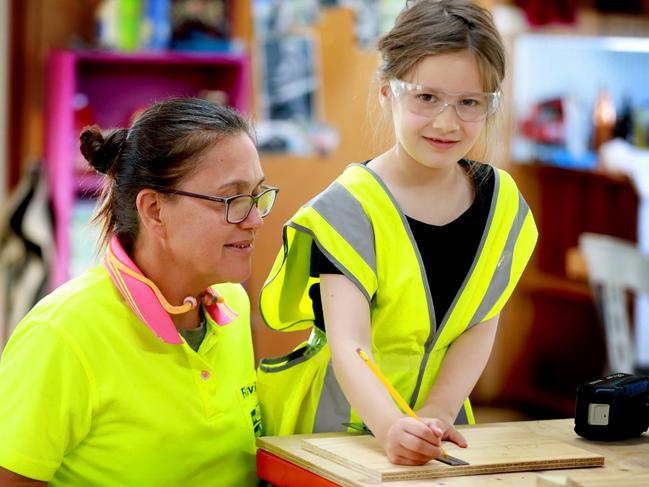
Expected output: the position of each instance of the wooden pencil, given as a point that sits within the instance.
(390, 388)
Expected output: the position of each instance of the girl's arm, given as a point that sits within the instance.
(347, 317)
(11, 479)
(464, 362)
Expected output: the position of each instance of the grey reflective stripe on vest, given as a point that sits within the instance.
(333, 407)
(502, 275)
(331, 258)
(346, 215)
(461, 417)
(432, 339)
(404, 222)
(432, 328)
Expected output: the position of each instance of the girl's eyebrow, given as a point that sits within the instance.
(451, 93)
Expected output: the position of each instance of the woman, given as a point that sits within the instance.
(410, 256)
(141, 371)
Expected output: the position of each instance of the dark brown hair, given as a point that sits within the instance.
(162, 147)
(430, 27)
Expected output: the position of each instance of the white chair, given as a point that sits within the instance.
(615, 266)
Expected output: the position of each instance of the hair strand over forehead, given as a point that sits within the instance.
(431, 27)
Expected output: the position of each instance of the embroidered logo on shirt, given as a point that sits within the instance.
(250, 401)
(249, 389)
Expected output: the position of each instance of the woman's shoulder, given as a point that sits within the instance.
(81, 292)
(69, 309)
(77, 301)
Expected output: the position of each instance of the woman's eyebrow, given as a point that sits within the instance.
(239, 185)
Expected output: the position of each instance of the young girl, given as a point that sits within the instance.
(410, 256)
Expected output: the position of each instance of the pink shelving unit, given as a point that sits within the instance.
(117, 85)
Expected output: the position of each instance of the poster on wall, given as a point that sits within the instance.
(290, 81)
(373, 18)
(201, 25)
(290, 118)
(278, 17)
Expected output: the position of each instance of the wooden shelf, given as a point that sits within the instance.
(537, 281)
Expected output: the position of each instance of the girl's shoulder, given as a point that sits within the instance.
(483, 172)
(357, 181)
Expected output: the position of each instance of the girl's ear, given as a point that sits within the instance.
(384, 94)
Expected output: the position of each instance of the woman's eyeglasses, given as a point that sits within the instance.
(238, 207)
(430, 102)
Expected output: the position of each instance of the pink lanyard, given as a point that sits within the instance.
(148, 303)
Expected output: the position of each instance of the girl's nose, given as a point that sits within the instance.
(446, 119)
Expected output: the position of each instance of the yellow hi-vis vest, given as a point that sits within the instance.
(357, 223)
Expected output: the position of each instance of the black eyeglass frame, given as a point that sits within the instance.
(226, 201)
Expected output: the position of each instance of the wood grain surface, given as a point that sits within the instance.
(495, 449)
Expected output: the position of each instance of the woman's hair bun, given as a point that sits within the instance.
(102, 154)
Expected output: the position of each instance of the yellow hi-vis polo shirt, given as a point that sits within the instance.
(90, 396)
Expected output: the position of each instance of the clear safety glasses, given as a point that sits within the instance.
(238, 207)
(430, 102)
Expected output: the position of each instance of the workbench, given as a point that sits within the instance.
(284, 463)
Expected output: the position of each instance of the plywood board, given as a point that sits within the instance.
(626, 479)
(494, 449)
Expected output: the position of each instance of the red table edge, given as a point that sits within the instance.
(283, 473)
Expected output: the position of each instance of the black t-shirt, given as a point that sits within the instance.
(447, 251)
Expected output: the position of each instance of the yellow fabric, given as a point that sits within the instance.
(288, 405)
(280, 306)
(522, 252)
(90, 396)
(399, 302)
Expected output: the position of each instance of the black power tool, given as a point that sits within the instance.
(615, 407)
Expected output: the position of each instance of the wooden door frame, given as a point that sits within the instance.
(16, 89)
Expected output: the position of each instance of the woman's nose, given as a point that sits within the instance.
(254, 219)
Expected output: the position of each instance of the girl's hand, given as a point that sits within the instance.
(449, 432)
(409, 441)
(415, 442)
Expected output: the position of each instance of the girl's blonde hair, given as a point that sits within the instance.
(430, 27)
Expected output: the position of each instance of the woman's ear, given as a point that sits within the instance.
(149, 209)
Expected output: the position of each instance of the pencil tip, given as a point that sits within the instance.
(358, 349)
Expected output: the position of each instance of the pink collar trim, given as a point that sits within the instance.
(144, 303)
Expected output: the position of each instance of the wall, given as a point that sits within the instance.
(4, 150)
(4, 86)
